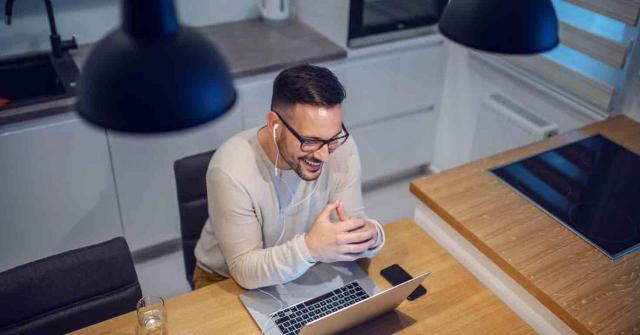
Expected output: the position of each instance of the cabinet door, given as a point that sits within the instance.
(397, 145)
(143, 168)
(392, 84)
(57, 189)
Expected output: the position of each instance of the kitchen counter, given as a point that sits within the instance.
(456, 302)
(578, 284)
(249, 47)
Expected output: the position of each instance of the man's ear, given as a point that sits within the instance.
(272, 119)
(273, 124)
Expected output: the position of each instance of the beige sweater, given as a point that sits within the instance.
(249, 206)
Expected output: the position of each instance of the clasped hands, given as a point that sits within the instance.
(343, 240)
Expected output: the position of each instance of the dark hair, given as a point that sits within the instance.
(306, 84)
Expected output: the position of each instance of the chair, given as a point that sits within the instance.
(69, 291)
(191, 187)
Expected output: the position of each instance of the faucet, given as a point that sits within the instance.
(58, 46)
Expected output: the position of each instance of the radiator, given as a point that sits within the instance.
(502, 125)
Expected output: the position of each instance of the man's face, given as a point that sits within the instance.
(310, 122)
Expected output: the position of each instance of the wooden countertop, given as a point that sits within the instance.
(583, 287)
(456, 301)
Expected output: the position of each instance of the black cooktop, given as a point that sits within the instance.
(591, 186)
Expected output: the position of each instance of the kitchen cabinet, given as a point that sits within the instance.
(57, 188)
(392, 83)
(396, 145)
(72, 184)
(392, 107)
(143, 170)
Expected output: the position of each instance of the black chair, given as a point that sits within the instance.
(191, 186)
(69, 291)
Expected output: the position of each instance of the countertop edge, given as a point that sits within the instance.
(36, 111)
(503, 264)
(272, 68)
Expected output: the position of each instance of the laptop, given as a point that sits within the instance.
(328, 298)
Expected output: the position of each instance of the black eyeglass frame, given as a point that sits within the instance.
(342, 139)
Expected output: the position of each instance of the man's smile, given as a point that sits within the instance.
(312, 164)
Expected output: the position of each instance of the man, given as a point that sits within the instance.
(286, 195)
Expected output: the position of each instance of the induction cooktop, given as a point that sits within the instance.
(591, 186)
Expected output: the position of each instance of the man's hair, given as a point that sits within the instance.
(306, 84)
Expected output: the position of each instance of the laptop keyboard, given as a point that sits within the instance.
(291, 319)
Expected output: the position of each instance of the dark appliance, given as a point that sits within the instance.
(591, 186)
(378, 21)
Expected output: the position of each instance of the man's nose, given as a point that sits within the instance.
(322, 154)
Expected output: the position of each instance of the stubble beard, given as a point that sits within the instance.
(296, 163)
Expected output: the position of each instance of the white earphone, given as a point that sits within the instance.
(275, 168)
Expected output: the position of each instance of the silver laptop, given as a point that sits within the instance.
(328, 298)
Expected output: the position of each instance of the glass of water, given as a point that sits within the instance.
(152, 316)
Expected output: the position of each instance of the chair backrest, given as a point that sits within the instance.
(191, 185)
(69, 291)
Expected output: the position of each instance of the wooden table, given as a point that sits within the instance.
(456, 302)
(586, 289)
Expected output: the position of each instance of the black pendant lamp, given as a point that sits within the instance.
(153, 75)
(501, 26)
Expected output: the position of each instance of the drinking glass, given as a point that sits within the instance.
(152, 316)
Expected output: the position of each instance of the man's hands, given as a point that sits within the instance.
(339, 241)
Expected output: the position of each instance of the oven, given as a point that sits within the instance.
(378, 21)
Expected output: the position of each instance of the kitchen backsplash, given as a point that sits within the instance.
(90, 20)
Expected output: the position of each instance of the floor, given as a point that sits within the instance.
(164, 276)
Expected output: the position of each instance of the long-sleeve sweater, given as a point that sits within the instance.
(257, 219)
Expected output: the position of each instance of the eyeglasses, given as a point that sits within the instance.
(315, 144)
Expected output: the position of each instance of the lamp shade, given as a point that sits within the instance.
(501, 26)
(153, 75)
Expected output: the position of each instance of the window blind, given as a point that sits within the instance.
(596, 38)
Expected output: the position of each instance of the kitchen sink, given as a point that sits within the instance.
(36, 78)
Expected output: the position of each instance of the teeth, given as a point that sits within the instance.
(314, 164)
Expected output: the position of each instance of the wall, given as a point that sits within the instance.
(468, 79)
(630, 97)
(90, 20)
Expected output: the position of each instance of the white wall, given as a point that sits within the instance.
(455, 123)
(90, 20)
(630, 97)
(631, 107)
(469, 78)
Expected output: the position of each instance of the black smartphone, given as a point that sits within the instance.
(396, 275)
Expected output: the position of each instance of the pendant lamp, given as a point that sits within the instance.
(501, 26)
(153, 75)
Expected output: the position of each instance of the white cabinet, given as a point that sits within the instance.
(396, 145)
(394, 83)
(66, 184)
(143, 169)
(57, 189)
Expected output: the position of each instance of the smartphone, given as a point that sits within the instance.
(396, 275)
